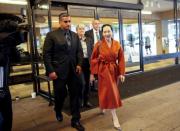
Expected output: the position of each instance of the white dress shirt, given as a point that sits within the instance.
(84, 47)
(95, 33)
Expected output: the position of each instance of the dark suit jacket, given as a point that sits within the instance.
(89, 47)
(90, 34)
(58, 56)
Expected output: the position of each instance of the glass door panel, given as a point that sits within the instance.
(81, 15)
(178, 26)
(41, 28)
(131, 39)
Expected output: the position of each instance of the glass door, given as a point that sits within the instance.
(131, 41)
(81, 15)
(126, 31)
(41, 28)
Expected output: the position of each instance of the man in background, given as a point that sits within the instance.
(87, 47)
(95, 35)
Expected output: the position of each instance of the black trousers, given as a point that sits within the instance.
(6, 103)
(86, 77)
(71, 86)
(6, 113)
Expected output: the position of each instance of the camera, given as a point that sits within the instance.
(12, 33)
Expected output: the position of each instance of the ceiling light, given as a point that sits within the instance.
(16, 2)
(145, 12)
(43, 6)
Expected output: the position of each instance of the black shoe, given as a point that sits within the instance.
(59, 117)
(94, 89)
(88, 105)
(82, 104)
(78, 126)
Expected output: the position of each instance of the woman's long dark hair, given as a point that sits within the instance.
(108, 26)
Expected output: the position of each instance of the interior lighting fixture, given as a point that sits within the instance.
(16, 2)
(145, 12)
(43, 6)
(152, 3)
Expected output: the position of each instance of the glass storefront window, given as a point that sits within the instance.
(131, 39)
(81, 15)
(178, 26)
(41, 29)
(159, 31)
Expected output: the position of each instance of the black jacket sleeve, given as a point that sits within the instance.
(48, 52)
(79, 52)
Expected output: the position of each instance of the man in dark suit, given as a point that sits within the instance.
(63, 55)
(87, 47)
(95, 35)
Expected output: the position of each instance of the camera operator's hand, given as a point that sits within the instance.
(53, 76)
(78, 69)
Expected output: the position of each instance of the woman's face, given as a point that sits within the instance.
(107, 33)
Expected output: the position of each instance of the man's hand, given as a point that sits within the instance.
(92, 78)
(53, 76)
(78, 69)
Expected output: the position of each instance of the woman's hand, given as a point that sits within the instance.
(122, 78)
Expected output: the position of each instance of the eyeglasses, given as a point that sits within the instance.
(67, 21)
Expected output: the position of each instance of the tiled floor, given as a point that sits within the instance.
(156, 110)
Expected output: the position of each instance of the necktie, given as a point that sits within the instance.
(68, 38)
(97, 36)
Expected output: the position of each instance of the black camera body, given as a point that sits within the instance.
(12, 33)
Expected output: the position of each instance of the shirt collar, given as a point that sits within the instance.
(96, 31)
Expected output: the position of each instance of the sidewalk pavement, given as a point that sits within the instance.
(156, 110)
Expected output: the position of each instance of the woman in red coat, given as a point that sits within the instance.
(107, 61)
